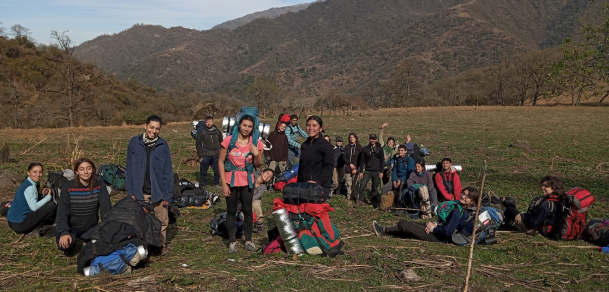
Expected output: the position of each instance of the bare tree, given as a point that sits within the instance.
(2, 30)
(501, 74)
(402, 83)
(265, 92)
(17, 30)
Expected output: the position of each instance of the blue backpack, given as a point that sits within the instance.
(489, 220)
(234, 131)
(118, 262)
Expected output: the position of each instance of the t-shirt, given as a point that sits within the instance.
(237, 157)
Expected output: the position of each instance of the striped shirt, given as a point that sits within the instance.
(78, 207)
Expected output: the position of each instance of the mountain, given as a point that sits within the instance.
(339, 45)
(270, 13)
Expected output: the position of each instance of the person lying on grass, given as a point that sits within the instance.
(81, 202)
(27, 212)
(456, 221)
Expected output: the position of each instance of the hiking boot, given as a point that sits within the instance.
(378, 229)
(232, 247)
(250, 246)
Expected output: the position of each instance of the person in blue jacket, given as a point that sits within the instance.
(149, 173)
(27, 212)
(403, 166)
(433, 231)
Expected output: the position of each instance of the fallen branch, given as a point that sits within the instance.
(27, 150)
(20, 238)
(471, 247)
(588, 278)
(356, 236)
(579, 246)
(598, 167)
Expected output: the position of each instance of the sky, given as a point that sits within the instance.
(86, 19)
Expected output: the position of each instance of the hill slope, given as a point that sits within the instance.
(338, 45)
(270, 13)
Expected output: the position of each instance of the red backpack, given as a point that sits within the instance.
(572, 219)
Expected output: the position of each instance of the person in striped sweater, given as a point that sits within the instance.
(82, 202)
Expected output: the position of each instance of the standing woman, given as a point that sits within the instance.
(351, 157)
(81, 202)
(27, 212)
(235, 183)
(317, 157)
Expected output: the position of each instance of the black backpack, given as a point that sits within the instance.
(186, 194)
(55, 181)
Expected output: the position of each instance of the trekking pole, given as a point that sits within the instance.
(471, 247)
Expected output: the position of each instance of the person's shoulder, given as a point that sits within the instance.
(135, 139)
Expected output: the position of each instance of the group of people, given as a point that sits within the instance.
(149, 178)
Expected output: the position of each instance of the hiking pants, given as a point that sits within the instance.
(42, 216)
(338, 178)
(205, 164)
(244, 195)
(273, 165)
(369, 175)
(161, 212)
(257, 209)
(410, 229)
(351, 181)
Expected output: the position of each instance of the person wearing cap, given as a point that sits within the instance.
(447, 181)
(455, 223)
(149, 173)
(338, 176)
(371, 165)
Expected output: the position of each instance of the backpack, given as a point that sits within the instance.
(113, 174)
(303, 192)
(187, 194)
(499, 203)
(572, 214)
(597, 232)
(448, 182)
(56, 179)
(547, 226)
(318, 235)
(234, 131)
(387, 201)
(411, 198)
(218, 225)
(446, 208)
(489, 220)
(118, 262)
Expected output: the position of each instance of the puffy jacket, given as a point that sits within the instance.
(161, 171)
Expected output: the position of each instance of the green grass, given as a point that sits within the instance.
(566, 141)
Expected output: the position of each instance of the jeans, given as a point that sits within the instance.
(369, 175)
(205, 164)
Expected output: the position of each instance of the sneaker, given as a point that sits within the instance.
(232, 247)
(250, 246)
(259, 228)
(378, 229)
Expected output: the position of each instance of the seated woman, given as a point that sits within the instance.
(434, 231)
(259, 188)
(81, 201)
(543, 212)
(27, 212)
(423, 177)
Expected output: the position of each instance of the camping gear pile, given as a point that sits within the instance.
(303, 222)
(187, 194)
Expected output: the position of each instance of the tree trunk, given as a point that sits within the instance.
(603, 98)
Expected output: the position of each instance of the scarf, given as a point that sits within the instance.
(149, 142)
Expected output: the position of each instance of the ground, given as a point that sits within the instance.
(570, 142)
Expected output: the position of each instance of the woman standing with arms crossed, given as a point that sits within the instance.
(236, 186)
(317, 157)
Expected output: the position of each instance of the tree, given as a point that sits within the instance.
(17, 30)
(2, 30)
(401, 84)
(265, 92)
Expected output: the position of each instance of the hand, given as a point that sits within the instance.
(46, 191)
(133, 197)
(226, 190)
(395, 185)
(65, 241)
(299, 146)
(361, 175)
(430, 226)
(408, 139)
(165, 203)
(201, 159)
(384, 125)
(381, 175)
(353, 171)
(312, 181)
(254, 150)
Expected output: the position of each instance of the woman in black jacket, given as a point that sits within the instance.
(351, 156)
(317, 157)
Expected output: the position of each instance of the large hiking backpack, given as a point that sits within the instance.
(113, 174)
(318, 235)
(597, 232)
(303, 192)
(499, 203)
(546, 227)
(56, 179)
(187, 194)
(446, 208)
(412, 198)
(572, 215)
(489, 220)
(249, 167)
(118, 262)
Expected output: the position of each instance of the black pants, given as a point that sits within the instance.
(369, 175)
(44, 215)
(74, 234)
(243, 195)
(414, 230)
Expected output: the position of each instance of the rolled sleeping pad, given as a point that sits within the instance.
(291, 173)
(434, 167)
(287, 232)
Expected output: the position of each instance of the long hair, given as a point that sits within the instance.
(473, 194)
(555, 183)
(93, 180)
(354, 135)
(29, 168)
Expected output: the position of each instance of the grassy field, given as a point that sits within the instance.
(570, 142)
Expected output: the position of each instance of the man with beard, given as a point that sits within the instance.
(371, 165)
(208, 149)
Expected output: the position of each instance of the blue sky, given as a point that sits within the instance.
(87, 19)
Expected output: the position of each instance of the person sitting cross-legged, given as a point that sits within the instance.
(447, 181)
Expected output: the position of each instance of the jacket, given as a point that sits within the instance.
(317, 162)
(440, 177)
(402, 167)
(161, 171)
(279, 152)
(389, 152)
(208, 142)
(351, 154)
(543, 217)
(424, 178)
(78, 207)
(339, 160)
(293, 132)
(372, 158)
(455, 223)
